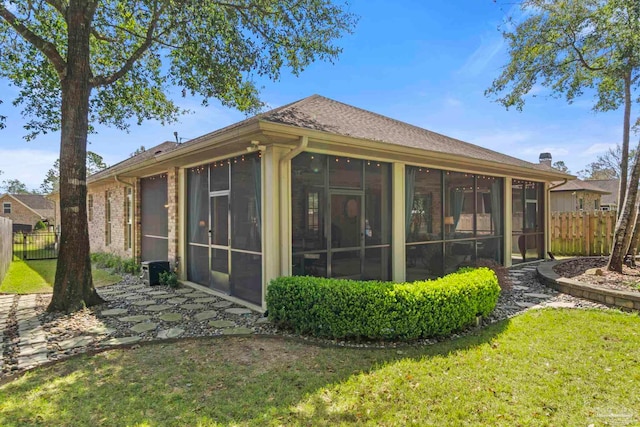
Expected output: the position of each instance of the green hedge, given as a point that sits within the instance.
(338, 308)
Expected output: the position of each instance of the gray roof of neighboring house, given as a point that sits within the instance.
(612, 186)
(580, 185)
(323, 114)
(37, 202)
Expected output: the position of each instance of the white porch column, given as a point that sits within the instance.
(398, 247)
(273, 239)
(182, 224)
(507, 221)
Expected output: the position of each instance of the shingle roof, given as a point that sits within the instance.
(610, 185)
(580, 185)
(36, 202)
(149, 153)
(323, 114)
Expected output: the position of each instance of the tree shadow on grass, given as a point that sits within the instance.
(255, 380)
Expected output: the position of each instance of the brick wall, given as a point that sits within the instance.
(98, 219)
(20, 214)
(172, 211)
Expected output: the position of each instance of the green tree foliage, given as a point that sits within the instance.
(78, 62)
(14, 186)
(95, 163)
(559, 165)
(139, 150)
(575, 46)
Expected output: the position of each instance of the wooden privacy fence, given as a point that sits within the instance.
(5, 246)
(582, 233)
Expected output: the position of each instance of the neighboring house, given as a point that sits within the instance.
(577, 196)
(25, 210)
(318, 187)
(608, 202)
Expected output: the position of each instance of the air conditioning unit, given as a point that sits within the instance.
(151, 271)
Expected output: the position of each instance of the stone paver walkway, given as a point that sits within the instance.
(132, 313)
(135, 313)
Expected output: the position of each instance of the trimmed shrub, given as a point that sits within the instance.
(337, 308)
(169, 278)
(40, 226)
(502, 272)
(115, 263)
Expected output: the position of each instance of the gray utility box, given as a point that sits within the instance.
(151, 271)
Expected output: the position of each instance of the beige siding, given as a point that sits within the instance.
(567, 201)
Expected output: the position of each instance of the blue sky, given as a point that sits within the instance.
(427, 63)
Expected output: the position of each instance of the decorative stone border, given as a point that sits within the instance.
(622, 299)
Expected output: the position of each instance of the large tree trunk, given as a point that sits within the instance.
(624, 154)
(73, 288)
(635, 239)
(622, 235)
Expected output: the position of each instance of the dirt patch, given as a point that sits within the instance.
(251, 351)
(256, 353)
(593, 271)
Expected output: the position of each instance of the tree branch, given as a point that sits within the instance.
(583, 61)
(137, 54)
(47, 48)
(57, 5)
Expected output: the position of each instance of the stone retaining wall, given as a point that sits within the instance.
(622, 299)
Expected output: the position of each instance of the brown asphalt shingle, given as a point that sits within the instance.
(149, 153)
(580, 185)
(323, 114)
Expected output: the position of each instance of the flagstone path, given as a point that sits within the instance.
(134, 313)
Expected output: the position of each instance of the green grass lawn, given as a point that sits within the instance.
(550, 367)
(28, 277)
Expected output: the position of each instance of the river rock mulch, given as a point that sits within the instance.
(135, 313)
(593, 271)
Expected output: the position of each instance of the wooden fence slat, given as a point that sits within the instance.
(582, 233)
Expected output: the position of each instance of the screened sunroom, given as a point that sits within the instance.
(322, 188)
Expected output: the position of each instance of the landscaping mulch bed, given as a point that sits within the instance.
(582, 270)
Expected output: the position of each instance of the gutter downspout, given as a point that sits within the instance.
(285, 205)
(551, 187)
(126, 184)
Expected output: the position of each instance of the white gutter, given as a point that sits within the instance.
(126, 184)
(285, 205)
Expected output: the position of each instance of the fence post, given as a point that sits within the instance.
(24, 246)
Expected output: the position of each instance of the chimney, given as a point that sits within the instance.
(545, 159)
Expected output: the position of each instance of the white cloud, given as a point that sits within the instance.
(597, 149)
(27, 165)
(482, 56)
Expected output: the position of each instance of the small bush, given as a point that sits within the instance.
(40, 226)
(502, 272)
(338, 308)
(115, 263)
(168, 278)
